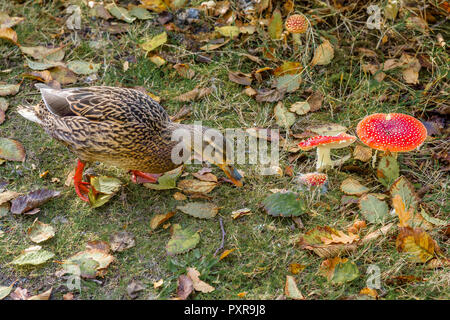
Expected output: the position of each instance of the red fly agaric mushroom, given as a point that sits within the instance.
(296, 24)
(324, 144)
(313, 179)
(393, 132)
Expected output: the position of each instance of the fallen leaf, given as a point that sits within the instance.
(323, 54)
(300, 107)
(5, 291)
(121, 241)
(198, 284)
(83, 67)
(8, 34)
(140, 13)
(40, 232)
(290, 289)
(240, 78)
(105, 188)
(369, 292)
(33, 256)
(269, 95)
(284, 118)
(296, 268)
(167, 181)
(275, 26)
(159, 219)
(373, 209)
(63, 75)
(41, 53)
(120, 13)
(34, 199)
(154, 42)
(133, 289)
(387, 170)
(8, 196)
(351, 186)
(287, 204)
(205, 177)
(185, 287)
(241, 212)
(226, 253)
(182, 240)
(88, 264)
(288, 82)
(191, 186)
(9, 89)
(383, 231)
(362, 153)
(179, 196)
(417, 244)
(184, 70)
(42, 296)
(330, 129)
(202, 210)
(8, 22)
(315, 101)
(411, 67)
(20, 294)
(228, 31)
(338, 270)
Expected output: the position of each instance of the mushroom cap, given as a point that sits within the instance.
(297, 23)
(341, 140)
(395, 132)
(313, 179)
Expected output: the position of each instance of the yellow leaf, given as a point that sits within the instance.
(8, 34)
(323, 54)
(157, 60)
(154, 42)
(296, 268)
(418, 244)
(228, 31)
(199, 285)
(226, 253)
(159, 219)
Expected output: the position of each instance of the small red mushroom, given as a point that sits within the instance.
(313, 179)
(394, 132)
(324, 144)
(296, 24)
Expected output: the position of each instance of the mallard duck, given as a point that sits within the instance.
(120, 127)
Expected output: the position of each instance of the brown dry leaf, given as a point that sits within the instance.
(40, 232)
(291, 290)
(418, 244)
(249, 91)
(63, 75)
(43, 76)
(269, 95)
(340, 238)
(179, 196)
(351, 186)
(205, 177)
(8, 34)
(195, 94)
(20, 294)
(40, 53)
(32, 200)
(323, 54)
(42, 296)
(375, 71)
(315, 101)
(159, 219)
(185, 287)
(300, 107)
(377, 233)
(68, 296)
(198, 284)
(98, 245)
(410, 218)
(8, 22)
(411, 69)
(240, 78)
(158, 283)
(437, 263)
(184, 70)
(191, 186)
(8, 196)
(9, 89)
(121, 241)
(288, 67)
(241, 212)
(362, 153)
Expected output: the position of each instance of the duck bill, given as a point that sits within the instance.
(232, 174)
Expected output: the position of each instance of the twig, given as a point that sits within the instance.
(223, 237)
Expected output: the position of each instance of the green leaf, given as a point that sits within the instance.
(34, 256)
(182, 240)
(388, 170)
(202, 210)
(228, 31)
(5, 291)
(406, 191)
(345, 272)
(39, 66)
(275, 25)
(284, 118)
(288, 82)
(287, 204)
(83, 67)
(120, 13)
(154, 42)
(11, 150)
(106, 185)
(373, 209)
(89, 263)
(140, 13)
(166, 181)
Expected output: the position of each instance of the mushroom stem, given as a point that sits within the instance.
(296, 38)
(323, 159)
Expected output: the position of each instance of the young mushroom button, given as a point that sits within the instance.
(296, 24)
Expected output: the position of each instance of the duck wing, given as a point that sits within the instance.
(103, 103)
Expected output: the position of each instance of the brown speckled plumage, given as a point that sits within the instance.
(117, 126)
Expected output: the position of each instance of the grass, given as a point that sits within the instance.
(265, 246)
